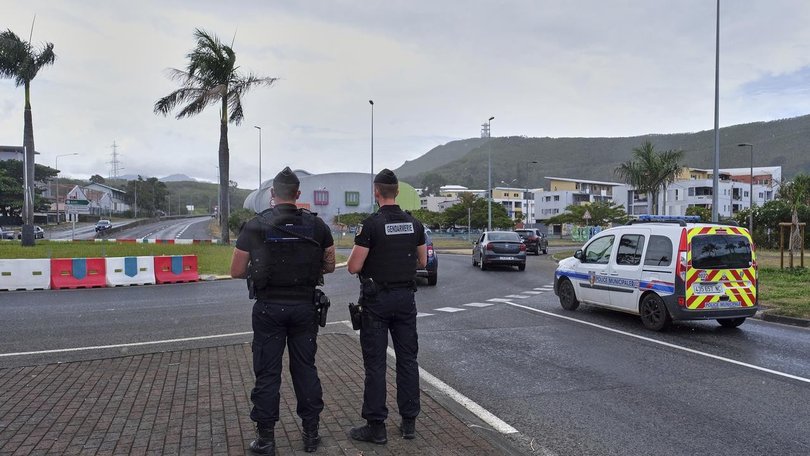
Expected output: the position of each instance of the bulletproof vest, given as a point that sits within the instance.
(392, 258)
(289, 256)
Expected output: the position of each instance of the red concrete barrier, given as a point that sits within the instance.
(176, 268)
(78, 273)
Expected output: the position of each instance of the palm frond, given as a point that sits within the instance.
(182, 95)
(202, 99)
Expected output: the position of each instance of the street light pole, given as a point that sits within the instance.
(526, 207)
(750, 190)
(260, 155)
(489, 176)
(56, 167)
(716, 177)
(371, 102)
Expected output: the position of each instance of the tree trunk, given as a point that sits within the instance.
(224, 176)
(28, 198)
(795, 240)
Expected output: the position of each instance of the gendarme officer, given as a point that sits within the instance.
(388, 247)
(284, 252)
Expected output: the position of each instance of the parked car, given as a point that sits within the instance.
(103, 225)
(534, 239)
(431, 270)
(39, 233)
(6, 233)
(499, 248)
(665, 268)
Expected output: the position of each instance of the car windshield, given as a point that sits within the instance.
(505, 236)
(720, 251)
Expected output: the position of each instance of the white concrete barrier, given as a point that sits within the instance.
(124, 271)
(25, 274)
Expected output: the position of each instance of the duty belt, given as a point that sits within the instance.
(286, 293)
(394, 285)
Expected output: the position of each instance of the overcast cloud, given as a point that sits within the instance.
(435, 70)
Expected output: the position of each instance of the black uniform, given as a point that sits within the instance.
(392, 236)
(285, 267)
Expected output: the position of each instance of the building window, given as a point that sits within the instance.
(556, 197)
(353, 199)
(321, 197)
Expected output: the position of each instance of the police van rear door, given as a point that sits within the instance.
(722, 272)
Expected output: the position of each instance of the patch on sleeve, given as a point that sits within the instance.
(398, 228)
(359, 229)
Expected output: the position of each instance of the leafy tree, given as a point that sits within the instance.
(429, 218)
(601, 213)
(431, 183)
(649, 172)
(477, 209)
(350, 219)
(704, 213)
(210, 78)
(21, 61)
(151, 195)
(96, 179)
(11, 187)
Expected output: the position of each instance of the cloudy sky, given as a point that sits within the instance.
(435, 69)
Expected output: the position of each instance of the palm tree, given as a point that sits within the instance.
(211, 77)
(650, 171)
(795, 193)
(21, 61)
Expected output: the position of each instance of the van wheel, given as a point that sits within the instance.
(522, 267)
(475, 263)
(568, 298)
(481, 264)
(731, 322)
(654, 313)
(545, 251)
(433, 279)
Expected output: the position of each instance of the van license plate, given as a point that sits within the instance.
(705, 288)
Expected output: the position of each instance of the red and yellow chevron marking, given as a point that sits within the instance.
(740, 285)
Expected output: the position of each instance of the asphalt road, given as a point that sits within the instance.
(187, 228)
(584, 382)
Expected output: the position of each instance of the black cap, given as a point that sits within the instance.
(286, 176)
(386, 176)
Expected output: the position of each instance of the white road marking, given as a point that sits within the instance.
(666, 344)
(497, 300)
(482, 413)
(517, 296)
(478, 304)
(133, 344)
(450, 309)
(531, 292)
(541, 289)
(422, 314)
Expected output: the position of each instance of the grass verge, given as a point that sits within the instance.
(785, 291)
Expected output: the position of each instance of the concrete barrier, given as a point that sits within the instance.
(25, 274)
(78, 273)
(125, 271)
(176, 268)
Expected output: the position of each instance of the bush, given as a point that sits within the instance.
(238, 218)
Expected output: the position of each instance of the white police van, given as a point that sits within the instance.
(665, 268)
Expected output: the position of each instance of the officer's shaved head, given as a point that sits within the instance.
(285, 185)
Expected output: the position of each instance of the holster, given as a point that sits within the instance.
(251, 288)
(356, 316)
(322, 304)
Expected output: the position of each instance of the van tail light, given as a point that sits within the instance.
(682, 260)
(522, 247)
(490, 246)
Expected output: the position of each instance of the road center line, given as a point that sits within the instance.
(666, 344)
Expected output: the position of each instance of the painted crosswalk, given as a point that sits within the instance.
(498, 300)
(450, 309)
(479, 304)
(422, 314)
(529, 292)
(517, 296)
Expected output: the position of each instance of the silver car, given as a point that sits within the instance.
(494, 248)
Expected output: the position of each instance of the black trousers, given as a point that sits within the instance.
(276, 324)
(395, 311)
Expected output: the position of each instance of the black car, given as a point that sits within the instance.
(103, 225)
(431, 270)
(39, 233)
(6, 233)
(534, 239)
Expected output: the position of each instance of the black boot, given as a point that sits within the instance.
(373, 431)
(265, 442)
(408, 428)
(311, 439)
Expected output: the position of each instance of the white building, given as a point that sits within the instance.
(564, 192)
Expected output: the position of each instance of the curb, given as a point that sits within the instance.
(771, 316)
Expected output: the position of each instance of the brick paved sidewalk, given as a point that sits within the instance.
(197, 402)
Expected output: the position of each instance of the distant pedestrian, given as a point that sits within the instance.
(388, 247)
(284, 252)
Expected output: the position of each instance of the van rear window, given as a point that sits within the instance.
(721, 251)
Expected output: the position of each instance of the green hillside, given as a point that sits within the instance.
(776, 143)
(439, 156)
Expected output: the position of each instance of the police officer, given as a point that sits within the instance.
(284, 251)
(388, 247)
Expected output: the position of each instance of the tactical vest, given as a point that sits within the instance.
(392, 259)
(290, 258)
